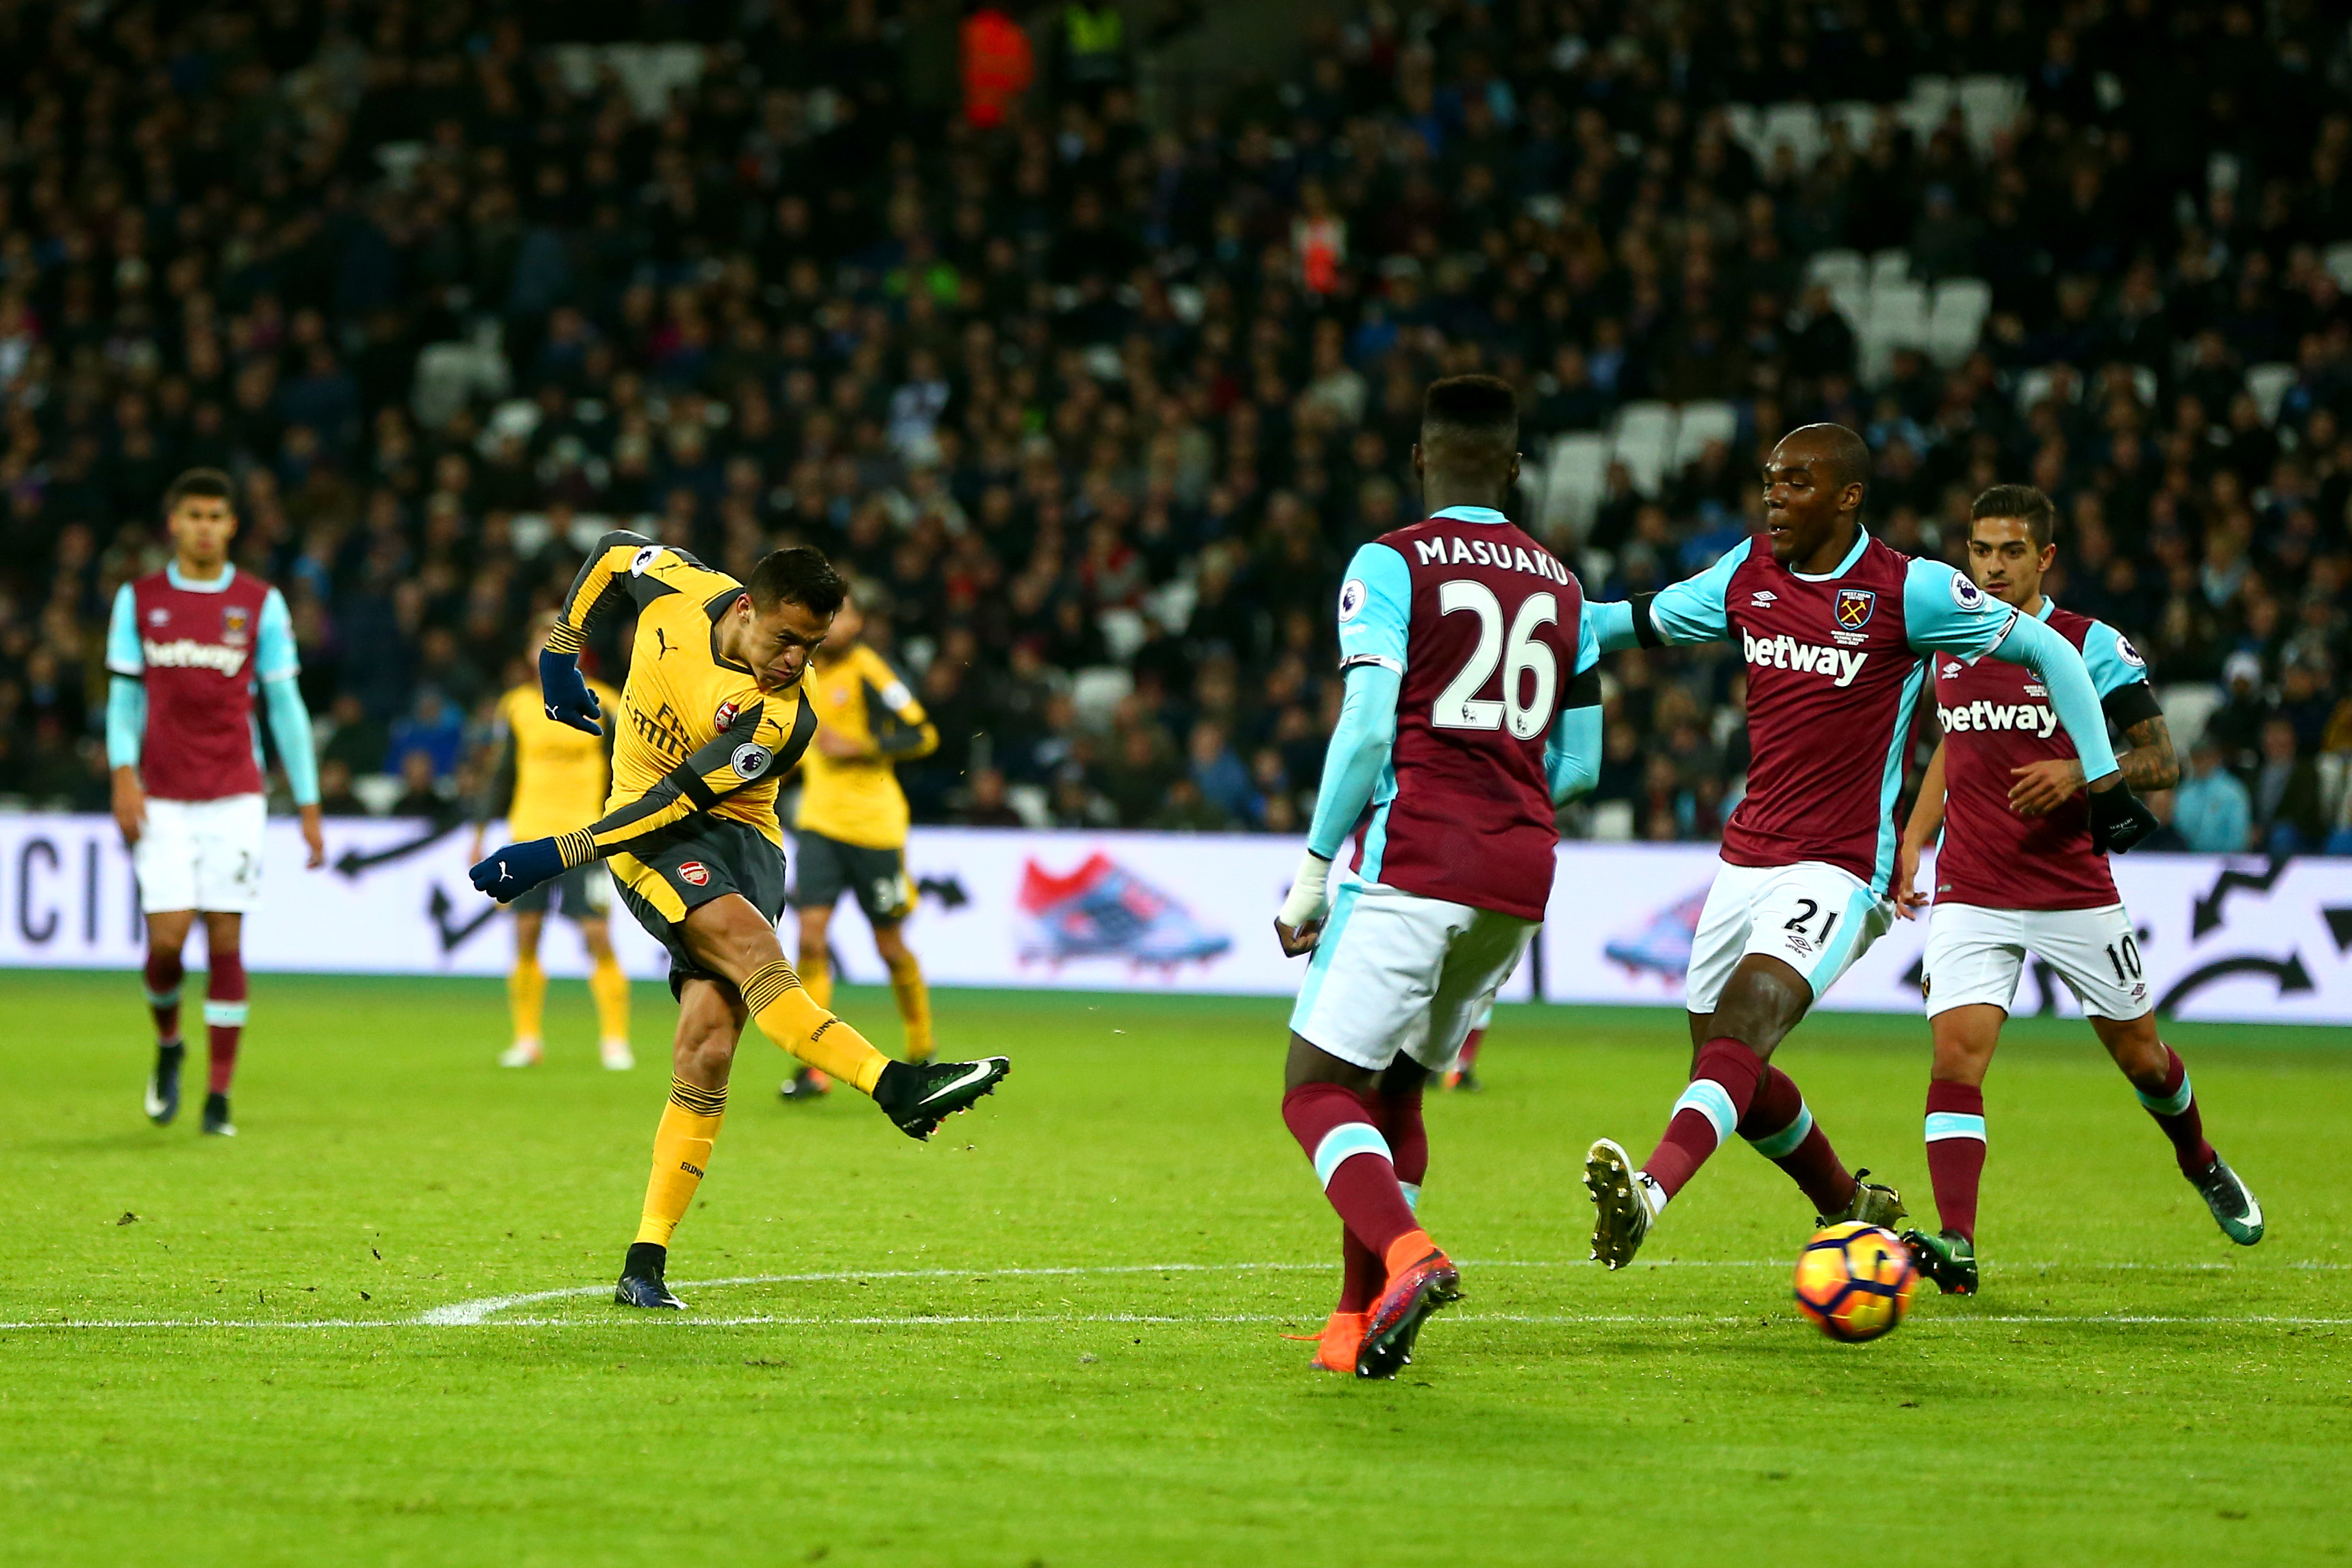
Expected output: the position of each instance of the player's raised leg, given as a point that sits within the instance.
(711, 1017)
(167, 937)
(2161, 1079)
(225, 1013)
(732, 938)
(526, 991)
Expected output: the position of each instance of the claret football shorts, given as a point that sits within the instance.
(1976, 954)
(201, 854)
(1813, 916)
(1397, 972)
(675, 873)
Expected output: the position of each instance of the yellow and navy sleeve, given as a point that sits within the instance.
(759, 745)
(616, 569)
(902, 731)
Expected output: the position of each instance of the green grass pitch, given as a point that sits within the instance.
(1054, 1335)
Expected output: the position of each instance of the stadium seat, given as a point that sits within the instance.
(1930, 100)
(1956, 319)
(1099, 689)
(1897, 318)
(1990, 104)
(1890, 266)
(2269, 384)
(1799, 125)
(1745, 122)
(1699, 423)
(1123, 630)
(1838, 268)
(1643, 440)
(2188, 706)
(2145, 386)
(2036, 384)
(1860, 119)
(1576, 472)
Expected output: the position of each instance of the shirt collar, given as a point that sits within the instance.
(1486, 515)
(218, 585)
(2048, 604)
(1861, 543)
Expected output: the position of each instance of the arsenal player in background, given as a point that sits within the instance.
(1471, 710)
(2019, 870)
(1832, 625)
(188, 647)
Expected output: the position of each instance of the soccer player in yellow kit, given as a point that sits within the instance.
(712, 715)
(851, 828)
(550, 777)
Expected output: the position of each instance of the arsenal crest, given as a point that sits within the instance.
(1854, 606)
(236, 621)
(693, 872)
(726, 714)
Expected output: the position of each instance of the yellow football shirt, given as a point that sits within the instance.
(560, 773)
(696, 733)
(856, 799)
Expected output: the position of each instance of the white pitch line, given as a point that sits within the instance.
(696, 1320)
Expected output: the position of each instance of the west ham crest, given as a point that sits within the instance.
(237, 621)
(1854, 606)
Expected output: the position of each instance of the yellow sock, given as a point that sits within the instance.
(690, 1126)
(609, 985)
(779, 1004)
(816, 975)
(914, 1006)
(527, 997)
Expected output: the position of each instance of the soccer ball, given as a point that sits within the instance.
(1854, 1281)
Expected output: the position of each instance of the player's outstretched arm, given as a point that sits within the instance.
(906, 732)
(1927, 821)
(620, 557)
(1352, 760)
(755, 747)
(1572, 750)
(2132, 710)
(1691, 611)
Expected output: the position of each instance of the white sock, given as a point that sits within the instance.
(1653, 1196)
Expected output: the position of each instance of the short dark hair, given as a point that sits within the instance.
(2024, 502)
(798, 575)
(1847, 453)
(1476, 405)
(207, 482)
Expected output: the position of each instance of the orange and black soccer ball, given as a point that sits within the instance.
(1854, 1281)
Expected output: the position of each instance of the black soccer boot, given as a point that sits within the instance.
(2232, 1203)
(216, 1121)
(918, 1097)
(1948, 1257)
(641, 1279)
(163, 1087)
(804, 1086)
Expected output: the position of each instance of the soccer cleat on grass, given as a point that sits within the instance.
(1949, 1258)
(522, 1053)
(918, 1097)
(2232, 1203)
(1464, 1079)
(216, 1121)
(1395, 1320)
(641, 1282)
(164, 1084)
(1874, 1203)
(1621, 1212)
(1336, 1346)
(803, 1086)
(616, 1055)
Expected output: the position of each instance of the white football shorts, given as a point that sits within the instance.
(201, 854)
(1398, 972)
(1813, 916)
(1976, 954)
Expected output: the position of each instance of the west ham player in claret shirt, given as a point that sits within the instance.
(1471, 708)
(187, 648)
(1831, 625)
(2018, 870)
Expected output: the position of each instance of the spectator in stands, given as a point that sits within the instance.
(2284, 796)
(2211, 808)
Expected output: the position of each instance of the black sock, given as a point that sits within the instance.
(646, 1261)
(897, 1082)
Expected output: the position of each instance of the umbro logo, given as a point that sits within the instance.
(157, 617)
(1952, 671)
(1764, 598)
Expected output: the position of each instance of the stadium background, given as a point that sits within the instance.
(1095, 385)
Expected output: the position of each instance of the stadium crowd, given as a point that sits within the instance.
(1094, 409)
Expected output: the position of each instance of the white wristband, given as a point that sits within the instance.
(1310, 893)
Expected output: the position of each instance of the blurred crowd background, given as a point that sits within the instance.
(1093, 376)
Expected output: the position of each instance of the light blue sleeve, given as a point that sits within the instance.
(1572, 755)
(290, 727)
(1356, 756)
(274, 658)
(2051, 656)
(2113, 661)
(126, 720)
(1375, 610)
(1588, 641)
(1692, 611)
(1945, 612)
(124, 656)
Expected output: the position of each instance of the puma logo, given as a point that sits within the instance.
(661, 643)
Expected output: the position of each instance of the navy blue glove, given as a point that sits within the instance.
(565, 692)
(511, 872)
(2119, 819)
